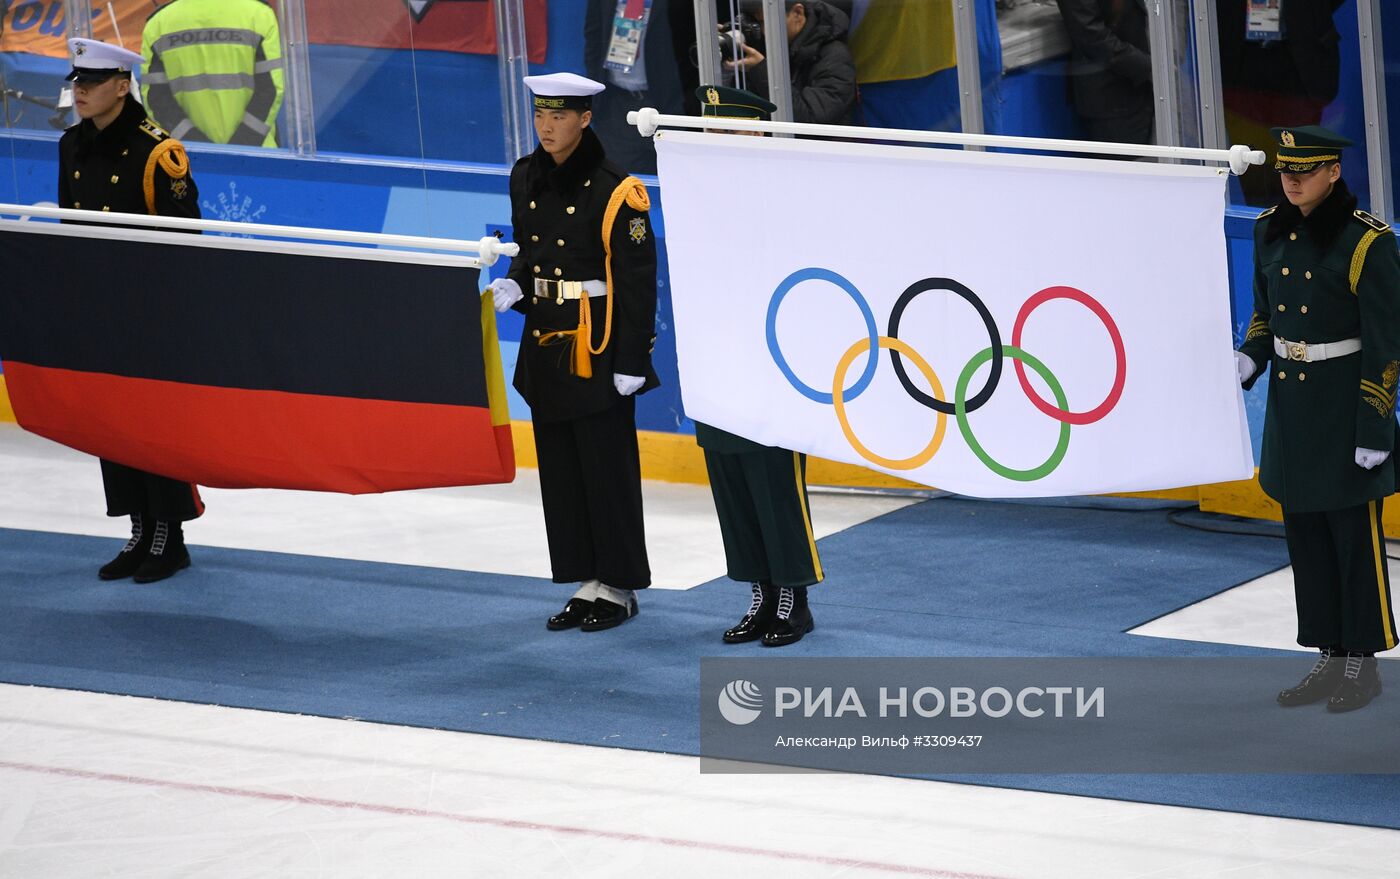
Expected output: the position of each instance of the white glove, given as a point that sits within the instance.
(627, 385)
(505, 293)
(1370, 459)
(1244, 366)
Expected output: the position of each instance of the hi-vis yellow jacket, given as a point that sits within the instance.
(213, 71)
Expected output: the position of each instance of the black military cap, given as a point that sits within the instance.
(1304, 148)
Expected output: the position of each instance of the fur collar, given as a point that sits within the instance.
(1325, 222)
(568, 177)
(115, 137)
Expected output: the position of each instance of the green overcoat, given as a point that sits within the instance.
(1327, 277)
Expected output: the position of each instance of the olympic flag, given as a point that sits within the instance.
(995, 325)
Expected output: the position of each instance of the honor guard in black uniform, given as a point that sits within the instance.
(585, 279)
(1326, 329)
(116, 159)
(760, 492)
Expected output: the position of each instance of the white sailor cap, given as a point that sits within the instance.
(563, 91)
(94, 61)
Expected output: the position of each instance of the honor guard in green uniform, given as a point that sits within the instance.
(116, 159)
(1326, 330)
(760, 492)
(585, 279)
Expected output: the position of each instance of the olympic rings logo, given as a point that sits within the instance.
(961, 405)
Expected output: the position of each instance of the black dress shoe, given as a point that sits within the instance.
(133, 554)
(607, 615)
(1317, 684)
(167, 556)
(757, 618)
(790, 630)
(571, 616)
(1361, 683)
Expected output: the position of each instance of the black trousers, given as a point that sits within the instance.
(131, 491)
(1341, 581)
(591, 485)
(761, 499)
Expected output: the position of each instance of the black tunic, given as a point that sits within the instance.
(557, 212)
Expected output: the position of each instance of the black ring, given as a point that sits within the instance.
(993, 379)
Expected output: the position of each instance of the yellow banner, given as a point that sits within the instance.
(37, 26)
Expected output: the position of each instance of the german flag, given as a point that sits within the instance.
(241, 363)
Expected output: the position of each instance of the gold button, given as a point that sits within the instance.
(537, 334)
(1302, 376)
(587, 183)
(77, 175)
(532, 206)
(105, 208)
(569, 209)
(560, 242)
(1304, 309)
(115, 178)
(1307, 275)
(1285, 270)
(1283, 308)
(558, 272)
(537, 270)
(77, 205)
(125, 152)
(1282, 374)
(1292, 236)
(534, 238)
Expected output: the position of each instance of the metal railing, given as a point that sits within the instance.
(487, 250)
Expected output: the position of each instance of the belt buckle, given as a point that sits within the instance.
(1297, 351)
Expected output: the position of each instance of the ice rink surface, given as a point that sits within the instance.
(95, 785)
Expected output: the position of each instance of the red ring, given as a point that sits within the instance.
(1120, 368)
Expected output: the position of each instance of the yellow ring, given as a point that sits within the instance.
(838, 400)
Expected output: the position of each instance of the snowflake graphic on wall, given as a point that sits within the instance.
(234, 208)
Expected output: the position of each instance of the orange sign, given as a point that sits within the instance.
(37, 26)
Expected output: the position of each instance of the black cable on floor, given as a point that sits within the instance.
(1224, 524)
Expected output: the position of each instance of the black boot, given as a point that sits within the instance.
(1317, 684)
(792, 620)
(134, 553)
(167, 555)
(1361, 682)
(757, 618)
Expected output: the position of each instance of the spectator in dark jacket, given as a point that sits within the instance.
(1285, 82)
(1111, 69)
(823, 74)
(658, 79)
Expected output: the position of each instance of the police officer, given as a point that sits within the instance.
(585, 280)
(214, 70)
(760, 492)
(1326, 329)
(116, 159)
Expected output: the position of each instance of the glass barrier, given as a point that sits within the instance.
(1299, 67)
(33, 63)
(414, 80)
(1390, 33)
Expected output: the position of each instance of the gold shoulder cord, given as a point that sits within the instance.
(634, 194)
(171, 157)
(1358, 257)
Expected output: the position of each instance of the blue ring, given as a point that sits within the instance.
(872, 361)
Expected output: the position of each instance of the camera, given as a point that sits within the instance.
(732, 38)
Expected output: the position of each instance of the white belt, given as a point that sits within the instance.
(1312, 353)
(561, 290)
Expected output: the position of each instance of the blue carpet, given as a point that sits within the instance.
(467, 651)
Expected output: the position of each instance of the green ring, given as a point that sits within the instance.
(960, 410)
